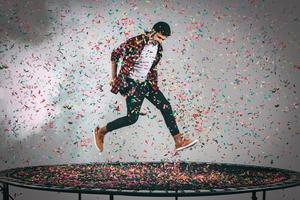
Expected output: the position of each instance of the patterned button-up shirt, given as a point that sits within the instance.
(130, 51)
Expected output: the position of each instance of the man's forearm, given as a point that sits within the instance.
(113, 69)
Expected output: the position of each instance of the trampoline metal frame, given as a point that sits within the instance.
(292, 182)
(176, 194)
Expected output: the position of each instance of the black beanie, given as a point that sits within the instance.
(163, 28)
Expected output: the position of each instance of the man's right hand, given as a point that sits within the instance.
(111, 81)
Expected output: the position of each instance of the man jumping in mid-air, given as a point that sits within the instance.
(137, 79)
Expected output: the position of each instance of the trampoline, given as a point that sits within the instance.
(157, 179)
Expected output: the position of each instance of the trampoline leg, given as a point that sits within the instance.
(264, 194)
(111, 197)
(5, 192)
(79, 196)
(254, 196)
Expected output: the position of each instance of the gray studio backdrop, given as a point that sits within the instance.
(230, 70)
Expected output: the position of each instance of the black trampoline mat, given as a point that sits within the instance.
(152, 176)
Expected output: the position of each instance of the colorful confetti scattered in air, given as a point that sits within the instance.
(230, 71)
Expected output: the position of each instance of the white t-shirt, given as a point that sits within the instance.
(144, 63)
